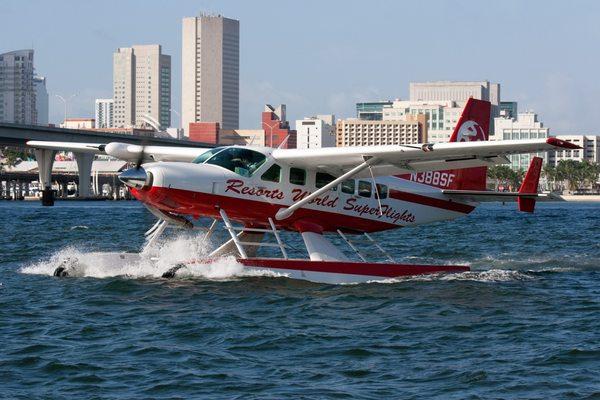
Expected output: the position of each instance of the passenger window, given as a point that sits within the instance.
(382, 191)
(323, 179)
(364, 188)
(348, 186)
(297, 176)
(273, 174)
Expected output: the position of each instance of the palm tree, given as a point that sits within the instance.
(549, 172)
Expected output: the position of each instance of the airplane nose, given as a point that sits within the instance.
(136, 178)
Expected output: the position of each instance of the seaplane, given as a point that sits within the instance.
(351, 192)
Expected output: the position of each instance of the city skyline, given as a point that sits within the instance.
(334, 64)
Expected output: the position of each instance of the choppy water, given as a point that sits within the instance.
(523, 324)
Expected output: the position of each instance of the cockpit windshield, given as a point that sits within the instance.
(206, 155)
(239, 160)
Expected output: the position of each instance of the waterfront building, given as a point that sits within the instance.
(17, 90)
(79, 123)
(41, 100)
(355, 132)
(442, 116)
(210, 71)
(459, 92)
(315, 132)
(524, 126)
(371, 111)
(104, 113)
(590, 151)
(141, 87)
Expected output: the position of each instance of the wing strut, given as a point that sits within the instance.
(284, 213)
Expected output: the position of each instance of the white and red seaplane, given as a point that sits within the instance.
(344, 191)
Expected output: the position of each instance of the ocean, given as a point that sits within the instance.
(523, 324)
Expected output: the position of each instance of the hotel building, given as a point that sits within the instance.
(355, 132)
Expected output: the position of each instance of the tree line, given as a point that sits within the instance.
(567, 174)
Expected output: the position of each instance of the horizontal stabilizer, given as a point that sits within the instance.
(483, 196)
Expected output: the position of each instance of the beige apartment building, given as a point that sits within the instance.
(590, 149)
(356, 132)
(210, 71)
(141, 87)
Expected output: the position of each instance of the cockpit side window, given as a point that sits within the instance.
(242, 161)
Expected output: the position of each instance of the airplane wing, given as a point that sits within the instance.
(125, 151)
(403, 159)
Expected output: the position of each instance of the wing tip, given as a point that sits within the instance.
(556, 142)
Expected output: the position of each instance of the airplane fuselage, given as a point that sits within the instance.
(353, 206)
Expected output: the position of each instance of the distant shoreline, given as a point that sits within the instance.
(583, 197)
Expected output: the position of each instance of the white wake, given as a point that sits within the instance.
(151, 263)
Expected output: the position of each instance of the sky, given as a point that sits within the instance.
(321, 57)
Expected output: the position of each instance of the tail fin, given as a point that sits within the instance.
(530, 185)
(473, 125)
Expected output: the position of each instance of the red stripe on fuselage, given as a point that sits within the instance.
(252, 212)
(431, 201)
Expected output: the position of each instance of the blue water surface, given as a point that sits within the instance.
(523, 324)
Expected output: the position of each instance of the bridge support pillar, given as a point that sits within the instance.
(84, 167)
(45, 160)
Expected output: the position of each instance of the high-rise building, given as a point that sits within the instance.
(525, 126)
(315, 132)
(355, 132)
(104, 113)
(141, 87)
(41, 99)
(371, 111)
(210, 71)
(17, 92)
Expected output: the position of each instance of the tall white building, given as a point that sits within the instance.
(525, 126)
(210, 71)
(17, 92)
(104, 113)
(41, 99)
(141, 87)
(315, 132)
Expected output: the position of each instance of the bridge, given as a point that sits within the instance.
(17, 135)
